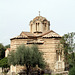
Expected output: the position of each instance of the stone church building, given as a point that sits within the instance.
(46, 39)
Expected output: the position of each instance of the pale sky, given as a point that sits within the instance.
(15, 16)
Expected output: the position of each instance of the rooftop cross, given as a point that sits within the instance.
(39, 13)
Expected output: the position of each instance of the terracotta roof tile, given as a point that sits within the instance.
(50, 33)
(39, 18)
(19, 37)
(27, 33)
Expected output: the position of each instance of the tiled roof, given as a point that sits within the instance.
(39, 41)
(25, 35)
(50, 33)
(19, 37)
(39, 18)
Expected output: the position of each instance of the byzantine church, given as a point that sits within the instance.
(46, 39)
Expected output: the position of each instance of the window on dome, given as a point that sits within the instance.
(36, 26)
(38, 23)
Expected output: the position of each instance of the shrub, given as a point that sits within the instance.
(72, 71)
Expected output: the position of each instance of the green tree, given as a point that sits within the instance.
(68, 44)
(29, 56)
(7, 46)
(4, 63)
(72, 60)
(2, 51)
(72, 71)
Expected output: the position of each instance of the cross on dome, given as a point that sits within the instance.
(39, 13)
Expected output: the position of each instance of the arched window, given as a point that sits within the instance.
(45, 25)
(38, 23)
(31, 27)
(36, 26)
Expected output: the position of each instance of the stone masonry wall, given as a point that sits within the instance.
(48, 48)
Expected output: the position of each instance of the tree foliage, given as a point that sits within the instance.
(2, 51)
(7, 46)
(29, 56)
(72, 71)
(4, 63)
(72, 60)
(68, 43)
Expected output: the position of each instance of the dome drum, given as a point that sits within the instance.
(39, 24)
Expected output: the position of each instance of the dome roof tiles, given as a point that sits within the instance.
(39, 18)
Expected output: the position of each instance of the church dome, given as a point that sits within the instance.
(39, 24)
(39, 18)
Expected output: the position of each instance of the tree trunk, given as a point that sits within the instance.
(2, 69)
(28, 69)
